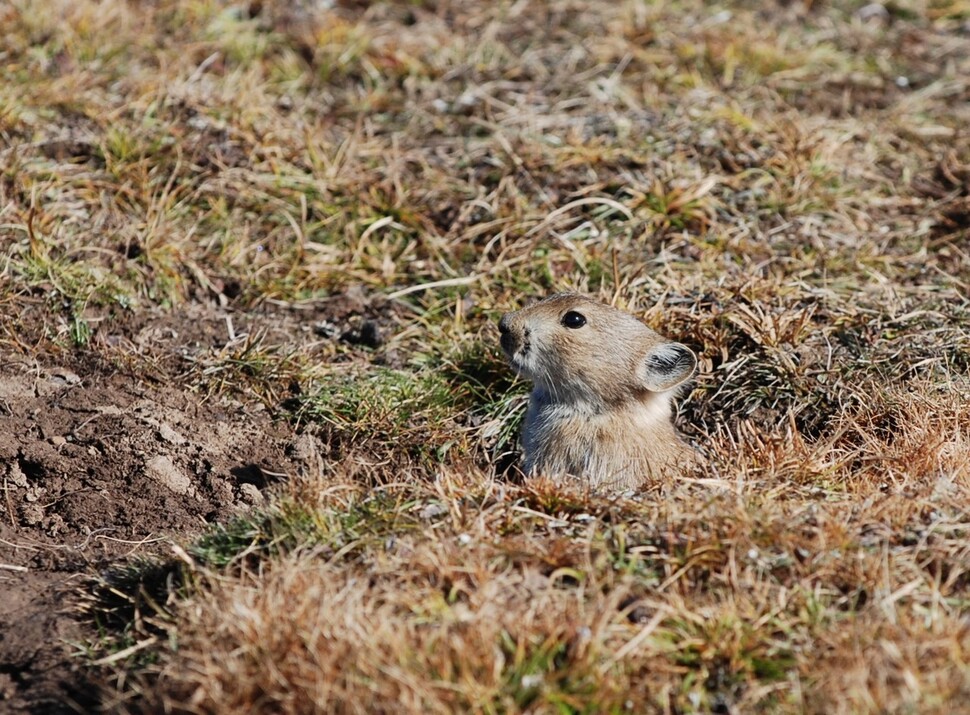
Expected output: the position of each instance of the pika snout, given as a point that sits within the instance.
(515, 339)
(508, 340)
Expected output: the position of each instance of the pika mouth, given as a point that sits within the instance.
(514, 356)
(519, 360)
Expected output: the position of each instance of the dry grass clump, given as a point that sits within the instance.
(751, 593)
(827, 577)
(421, 644)
(784, 187)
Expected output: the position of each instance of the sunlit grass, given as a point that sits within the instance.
(358, 193)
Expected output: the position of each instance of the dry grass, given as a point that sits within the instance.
(785, 188)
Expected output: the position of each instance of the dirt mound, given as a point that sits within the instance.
(97, 465)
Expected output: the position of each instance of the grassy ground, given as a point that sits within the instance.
(785, 188)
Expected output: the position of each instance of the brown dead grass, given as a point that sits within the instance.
(804, 577)
(783, 187)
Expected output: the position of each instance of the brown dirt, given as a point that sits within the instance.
(106, 454)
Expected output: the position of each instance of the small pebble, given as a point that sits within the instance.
(250, 494)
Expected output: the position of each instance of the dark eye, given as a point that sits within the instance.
(573, 320)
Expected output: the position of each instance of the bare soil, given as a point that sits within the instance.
(108, 455)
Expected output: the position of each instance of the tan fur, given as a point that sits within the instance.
(600, 409)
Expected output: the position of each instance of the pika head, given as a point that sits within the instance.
(603, 384)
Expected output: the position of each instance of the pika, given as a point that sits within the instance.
(603, 383)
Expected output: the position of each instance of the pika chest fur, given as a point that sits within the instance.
(603, 383)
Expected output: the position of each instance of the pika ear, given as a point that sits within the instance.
(666, 366)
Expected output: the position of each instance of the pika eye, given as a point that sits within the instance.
(573, 320)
